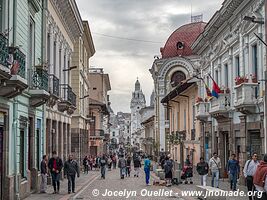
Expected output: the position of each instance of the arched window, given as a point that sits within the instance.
(177, 77)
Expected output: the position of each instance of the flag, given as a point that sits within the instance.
(215, 88)
(208, 92)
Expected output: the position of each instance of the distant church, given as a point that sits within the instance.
(138, 102)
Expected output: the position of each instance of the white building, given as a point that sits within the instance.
(137, 103)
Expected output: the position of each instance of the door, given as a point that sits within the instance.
(255, 145)
(226, 153)
(1, 160)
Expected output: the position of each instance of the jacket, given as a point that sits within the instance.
(43, 167)
(202, 168)
(58, 162)
(128, 162)
(233, 166)
(215, 164)
(168, 166)
(137, 163)
(122, 163)
(71, 168)
(260, 175)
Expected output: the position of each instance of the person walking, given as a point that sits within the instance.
(203, 170)
(91, 161)
(109, 163)
(114, 161)
(44, 173)
(260, 180)
(85, 165)
(188, 171)
(168, 165)
(233, 169)
(55, 165)
(147, 164)
(103, 162)
(122, 166)
(71, 168)
(97, 162)
(137, 165)
(249, 171)
(128, 166)
(215, 166)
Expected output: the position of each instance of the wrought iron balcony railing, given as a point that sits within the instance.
(3, 50)
(67, 94)
(54, 85)
(39, 79)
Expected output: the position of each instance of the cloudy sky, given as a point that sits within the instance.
(147, 20)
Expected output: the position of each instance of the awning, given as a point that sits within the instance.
(178, 90)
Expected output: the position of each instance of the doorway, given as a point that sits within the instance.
(255, 145)
(225, 152)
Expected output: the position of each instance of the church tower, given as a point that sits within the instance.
(138, 102)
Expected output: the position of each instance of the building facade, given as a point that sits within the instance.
(23, 94)
(98, 110)
(83, 50)
(63, 30)
(176, 65)
(138, 102)
(234, 57)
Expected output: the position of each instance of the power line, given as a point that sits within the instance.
(124, 38)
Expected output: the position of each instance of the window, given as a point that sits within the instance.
(226, 76)
(31, 56)
(113, 133)
(177, 77)
(94, 88)
(255, 60)
(217, 76)
(38, 148)
(55, 56)
(237, 66)
(48, 52)
(60, 59)
(22, 154)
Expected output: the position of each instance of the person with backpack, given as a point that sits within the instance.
(260, 180)
(233, 169)
(122, 166)
(147, 164)
(249, 171)
(215, 166)
(71, 168)
(203, 170)
(168, 170)
(103, 162)
(137, 165)
(55, 165)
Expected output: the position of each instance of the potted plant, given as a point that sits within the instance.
(227, 91)
(199, 99)
(241, 79)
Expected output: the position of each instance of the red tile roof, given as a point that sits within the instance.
(186, 34)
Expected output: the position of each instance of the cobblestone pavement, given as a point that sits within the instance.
(84, 179)
(135, 185)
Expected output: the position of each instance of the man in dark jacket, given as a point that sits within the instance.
(103, 162)
(233, 171)
(203, 170)
(43, 185)
(71, 168)
(55, 165)
(137, 165)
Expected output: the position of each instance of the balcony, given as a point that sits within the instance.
(219, 108)
(68, 99)
(4, 69)
(53, 90)
(97, 134)
(245, 97)
(38, 87)
(13, 81)
(202, 110)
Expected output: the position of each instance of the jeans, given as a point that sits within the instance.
(136, 170)
(55, 181)
(114, 165)
(71, 183)
(103, 171)
(203, 179)
(250, 185)
(128, 171)
(43, 185)
(86, 169)
(233, 181)
(215, 178)
(122, 171)
(147, 172)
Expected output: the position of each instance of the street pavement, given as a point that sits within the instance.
(92, 187)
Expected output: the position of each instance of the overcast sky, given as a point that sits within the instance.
(149, 20)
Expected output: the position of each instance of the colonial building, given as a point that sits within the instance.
(147, 127)
(124, 123)
(98, 110)
(175, 128)
(83, 50)
(235, 58)
(137, 103)
(23, 94)
(64, 27)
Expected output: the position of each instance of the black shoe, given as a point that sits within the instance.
(69, 192)
(73, 191)
(191, 182)
(185, 182)
(54, 192)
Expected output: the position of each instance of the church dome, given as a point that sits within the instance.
(180, 41)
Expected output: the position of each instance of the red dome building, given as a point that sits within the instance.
(180, 41)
